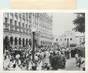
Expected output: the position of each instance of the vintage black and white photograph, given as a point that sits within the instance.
(43, 41)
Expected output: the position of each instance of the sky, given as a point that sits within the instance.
(62, 22)
(4, 4)
(82, 4)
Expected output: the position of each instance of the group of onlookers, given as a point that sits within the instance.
(44, 59)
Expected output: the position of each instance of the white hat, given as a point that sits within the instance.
(17, 56)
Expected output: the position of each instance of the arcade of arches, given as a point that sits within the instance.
(18, 42)
(11, 41)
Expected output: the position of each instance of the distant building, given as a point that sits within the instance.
(71, 39)
(80, 39)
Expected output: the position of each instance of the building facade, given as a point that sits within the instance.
(80, 39)
(71, 39)
(17, 28)
(42, 22)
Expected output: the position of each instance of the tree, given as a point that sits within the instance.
(79, 22)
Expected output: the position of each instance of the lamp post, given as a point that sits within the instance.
(67, 43)
(33, 44)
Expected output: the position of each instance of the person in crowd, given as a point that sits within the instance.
(78, 61)
(34, 67)
(76, 58)
(6, 62)
(46, 66)
(83, 65)
(57, 60)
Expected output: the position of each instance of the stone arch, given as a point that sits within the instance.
(23, 42)
(11, 40)
(26, 41)
(19, 41)
(6, 43)
(15, 40)
(30, 43)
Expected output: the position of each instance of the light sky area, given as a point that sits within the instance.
(62, 22)
(82, 4)
(4, 4)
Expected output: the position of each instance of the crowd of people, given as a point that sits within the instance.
(44, 59)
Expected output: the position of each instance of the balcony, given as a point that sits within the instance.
(6, 27)
(6, 24)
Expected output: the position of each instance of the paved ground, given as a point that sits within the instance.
(70, 65)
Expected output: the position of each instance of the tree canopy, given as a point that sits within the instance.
(79, 22)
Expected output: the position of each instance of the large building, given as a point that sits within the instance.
(17, 28)
(42, 22)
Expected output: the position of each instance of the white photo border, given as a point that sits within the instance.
(40, 11)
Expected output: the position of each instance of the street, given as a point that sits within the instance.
(71, 65)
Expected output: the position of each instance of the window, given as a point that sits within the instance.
(26, 25)
(11, 40)
(11, 21)
(29, 28)
(20, 15)
(23, 16)
(19, 41)
(26, 41)
(15, 23)
(23, 25)
(70, 38)
(29, 16)
(7, 14)
(11, 24)
(6, 20)
(16, 15)
(65, 39)
(56, 39)
(15, 41)
(11, 14)
(23, 42)
(19, 24)
(60, 39)
(83, 39)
